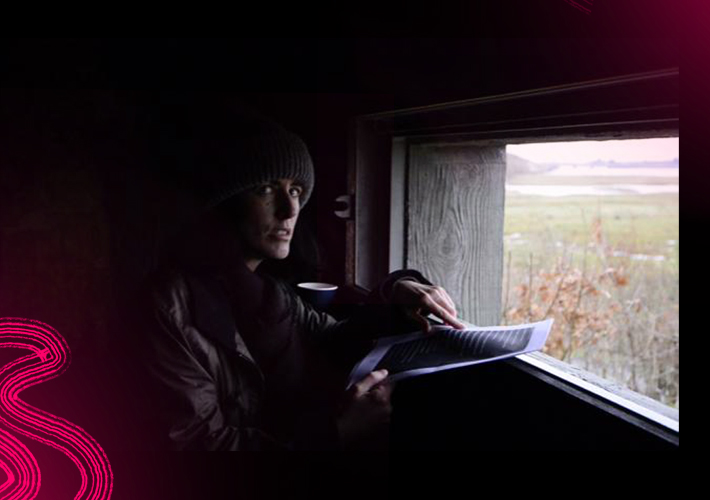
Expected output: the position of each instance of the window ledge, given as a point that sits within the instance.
(635, 408)
(613, 398)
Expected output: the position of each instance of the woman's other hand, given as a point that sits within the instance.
(367, 408)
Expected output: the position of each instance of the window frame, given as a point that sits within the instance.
(624, 107)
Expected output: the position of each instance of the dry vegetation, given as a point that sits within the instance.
(616, 309)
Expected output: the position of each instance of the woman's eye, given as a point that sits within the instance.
(268, 189)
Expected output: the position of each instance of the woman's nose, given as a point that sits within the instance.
(288, 206)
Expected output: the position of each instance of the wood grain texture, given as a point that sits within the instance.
(456, 196)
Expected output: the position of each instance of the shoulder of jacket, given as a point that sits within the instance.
(167, 287)
(165, 296)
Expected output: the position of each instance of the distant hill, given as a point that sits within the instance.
(640, 164)
(521, 166)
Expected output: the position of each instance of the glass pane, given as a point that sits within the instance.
(592, 240)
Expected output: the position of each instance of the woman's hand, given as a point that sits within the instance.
(367, 408)
(419, 300)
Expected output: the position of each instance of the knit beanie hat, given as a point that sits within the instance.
(218, 153)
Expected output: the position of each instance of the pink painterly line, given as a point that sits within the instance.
(64, 434)
(50, 357)
(54, 433)
(11, 402)
(578, 6)
(21, 469)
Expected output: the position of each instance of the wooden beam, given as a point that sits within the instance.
(456, 197)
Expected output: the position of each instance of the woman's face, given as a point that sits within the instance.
(267, 220)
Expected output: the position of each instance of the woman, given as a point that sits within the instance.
(239, 361)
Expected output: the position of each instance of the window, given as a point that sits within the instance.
(429, 190)
(592, 239)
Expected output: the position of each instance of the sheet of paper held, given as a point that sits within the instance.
(444, 348)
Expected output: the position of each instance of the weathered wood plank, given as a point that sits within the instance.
(456, 198)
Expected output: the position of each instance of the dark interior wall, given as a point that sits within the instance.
(56, 236)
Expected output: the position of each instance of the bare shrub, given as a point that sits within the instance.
(611, 316)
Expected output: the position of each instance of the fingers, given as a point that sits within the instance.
(440, 299)
(451, 307)
(370, 381)
(444, 310)
(452, 321)
(451, 310)
(382, 392)
(421, 300)
(423, 322)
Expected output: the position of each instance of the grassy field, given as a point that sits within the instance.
(645, 224)
(599, 180)
(607, 269)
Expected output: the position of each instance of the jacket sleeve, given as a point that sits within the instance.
(186, 413)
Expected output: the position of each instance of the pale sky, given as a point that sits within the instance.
(629, 150)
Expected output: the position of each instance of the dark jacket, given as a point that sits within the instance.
(208, 390)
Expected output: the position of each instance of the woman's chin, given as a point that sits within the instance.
(280, 252)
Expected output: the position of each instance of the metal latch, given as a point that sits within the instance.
(347, 203)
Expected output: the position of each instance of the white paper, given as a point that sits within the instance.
(444, 348)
